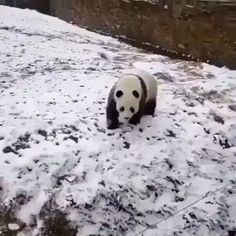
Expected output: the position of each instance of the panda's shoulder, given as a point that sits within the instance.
(143, 74)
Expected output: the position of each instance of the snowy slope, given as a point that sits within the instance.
(60, 167)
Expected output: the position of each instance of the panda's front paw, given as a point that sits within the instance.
(112, 125)
(134, 120)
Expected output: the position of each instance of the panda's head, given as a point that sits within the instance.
(127, 94)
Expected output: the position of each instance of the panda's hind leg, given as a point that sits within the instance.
(150, 107)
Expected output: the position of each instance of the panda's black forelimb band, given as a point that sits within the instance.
(113, 125)
(150, 107)
(135, 119)
(111, 112)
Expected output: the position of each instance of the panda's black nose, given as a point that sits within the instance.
(126, 118)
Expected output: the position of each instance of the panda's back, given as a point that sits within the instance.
(149, 80)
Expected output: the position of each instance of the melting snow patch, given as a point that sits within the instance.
(13, 226)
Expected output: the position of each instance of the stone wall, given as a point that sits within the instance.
(41, 6)
(202, 29)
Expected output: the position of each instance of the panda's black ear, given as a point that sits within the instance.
(119, 93)
(135, 93)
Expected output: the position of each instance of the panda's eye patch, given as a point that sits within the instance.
(132, 109)
(135, 93)
(119, 93)
(122, 109)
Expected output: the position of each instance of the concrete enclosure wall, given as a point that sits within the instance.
(40, 5)
(203, 29)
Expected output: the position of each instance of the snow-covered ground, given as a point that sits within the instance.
(61, 169)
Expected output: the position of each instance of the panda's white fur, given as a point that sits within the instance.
(127, 84)
(125, 106)
(149, 80)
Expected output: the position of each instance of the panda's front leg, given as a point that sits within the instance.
(112, 124)
(135, 119)
(112, 114)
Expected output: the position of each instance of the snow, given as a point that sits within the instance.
(13, 226)
(177, 168)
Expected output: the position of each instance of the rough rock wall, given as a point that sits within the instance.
(203, 29)
(41, 6)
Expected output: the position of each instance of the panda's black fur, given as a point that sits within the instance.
(146, 106)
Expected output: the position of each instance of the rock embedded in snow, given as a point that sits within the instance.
(232, 107)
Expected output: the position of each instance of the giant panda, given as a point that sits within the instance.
(132, 96)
